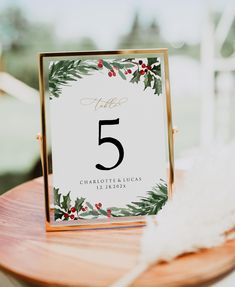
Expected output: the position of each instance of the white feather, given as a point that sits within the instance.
(201, 212)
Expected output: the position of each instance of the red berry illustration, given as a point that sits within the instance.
(100, 65)
(126, 72)
(73, 209)
(110, 74)
(83, 209)
(143, 66)
(140, 62)
(98, 205)
(129, 71)
(142, 72)
(66, 215)
(148, 67)
(114, 74)
(72, 216)
(109, 212)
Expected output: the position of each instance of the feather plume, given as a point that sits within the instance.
(199, 215)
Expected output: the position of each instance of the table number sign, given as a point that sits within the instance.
(106, 119)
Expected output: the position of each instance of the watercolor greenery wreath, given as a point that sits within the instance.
(62, 73)
(80, 209)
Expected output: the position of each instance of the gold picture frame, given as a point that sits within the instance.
(42, 57)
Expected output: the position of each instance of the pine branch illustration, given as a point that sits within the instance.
(148, 205)
(63, 72)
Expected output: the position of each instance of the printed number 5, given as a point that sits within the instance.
(112, 141)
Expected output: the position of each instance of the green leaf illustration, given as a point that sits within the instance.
(157, 86)
(58, 213)
(157, 70)
(118, 65)
(129, 65)
(136, 77)
(78, 203)
(66, 203)
(57, 196)
(121, 75)
(107, 65)
(148, 78)
(152, 61)
(103, 212)
(89, 205)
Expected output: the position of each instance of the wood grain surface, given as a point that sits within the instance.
(89, 258)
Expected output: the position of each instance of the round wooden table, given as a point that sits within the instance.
(89, 258)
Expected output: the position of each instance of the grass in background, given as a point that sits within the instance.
(20, 122)
(19, 150)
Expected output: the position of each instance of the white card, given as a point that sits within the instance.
(109, 134)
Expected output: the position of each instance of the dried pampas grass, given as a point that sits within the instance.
(199, 216)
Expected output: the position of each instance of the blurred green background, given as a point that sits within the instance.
(28, 27)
